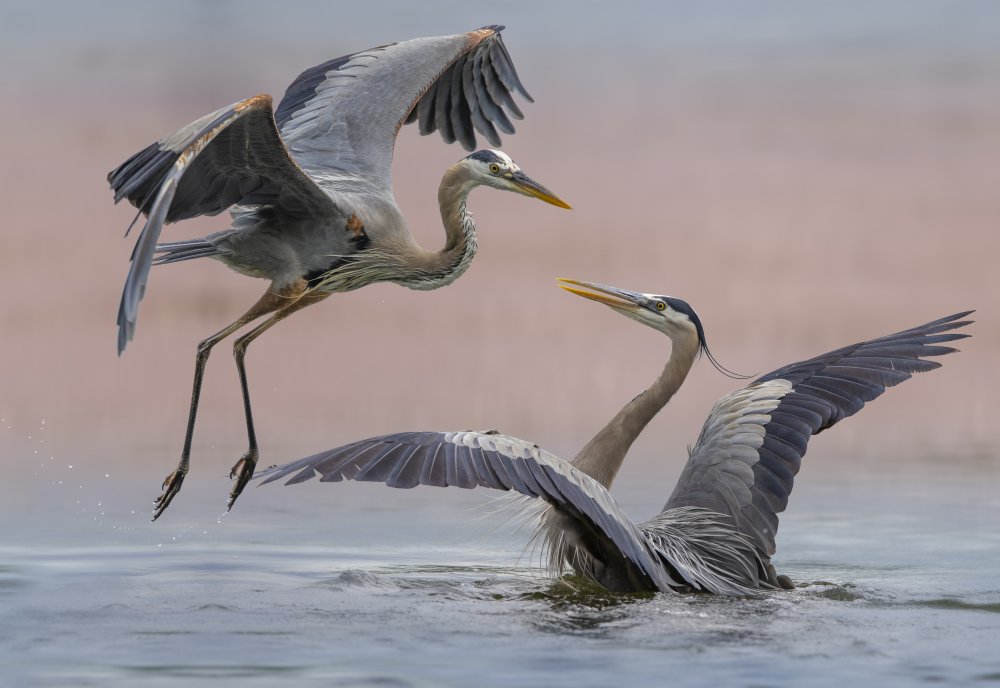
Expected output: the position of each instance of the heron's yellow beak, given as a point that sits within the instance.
(619, 299)
(529, 187)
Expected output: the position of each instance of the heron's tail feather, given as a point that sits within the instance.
(184, 250)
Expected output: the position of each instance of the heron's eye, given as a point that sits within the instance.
(494, 168)
(660, 306)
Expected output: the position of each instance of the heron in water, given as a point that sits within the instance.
(716, 531)
(309, 188)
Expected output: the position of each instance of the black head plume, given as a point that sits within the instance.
(486, 156)
(684, 307)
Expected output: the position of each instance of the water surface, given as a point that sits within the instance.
(344, 585)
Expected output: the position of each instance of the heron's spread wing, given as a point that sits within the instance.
(342, 116)
(233, 155)
(751, 446)
(471, 459)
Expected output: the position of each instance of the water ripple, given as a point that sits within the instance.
(958, 605)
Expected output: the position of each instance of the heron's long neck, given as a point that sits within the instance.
(447, 265)
(604, 454)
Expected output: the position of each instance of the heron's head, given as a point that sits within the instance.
(495, 168)
(672, 316)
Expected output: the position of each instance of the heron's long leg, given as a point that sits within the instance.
(268, 303)
(244, 468)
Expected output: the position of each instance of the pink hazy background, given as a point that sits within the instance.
(805, 175)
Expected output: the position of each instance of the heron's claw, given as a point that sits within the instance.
(171, 486)
(242, 471)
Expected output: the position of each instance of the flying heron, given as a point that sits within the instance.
(716, 531)
(309, 188)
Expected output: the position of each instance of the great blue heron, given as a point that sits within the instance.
(310, 188)
(716, 531)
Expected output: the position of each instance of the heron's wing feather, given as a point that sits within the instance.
(233, 155)
(477, 459)
(342, 117)
(750, 448)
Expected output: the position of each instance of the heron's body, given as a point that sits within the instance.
(716, 531)
(358, 244)
(309, 189)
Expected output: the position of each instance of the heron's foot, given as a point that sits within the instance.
(242, 472)
(780, 580)
(171, 486)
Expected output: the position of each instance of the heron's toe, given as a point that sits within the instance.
(242, 471)
(171, 486)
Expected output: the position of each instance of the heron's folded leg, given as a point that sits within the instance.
(243, 470)
(268, 303)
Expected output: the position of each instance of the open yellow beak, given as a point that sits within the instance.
(620, 299)
(529, 187)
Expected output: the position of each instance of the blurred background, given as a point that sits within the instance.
(804, 174)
